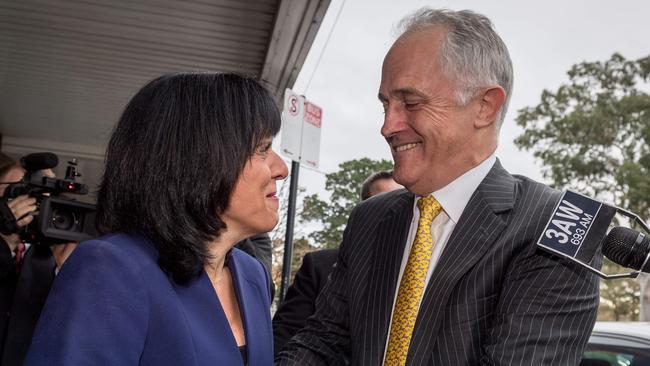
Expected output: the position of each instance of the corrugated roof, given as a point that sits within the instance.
(67, 68)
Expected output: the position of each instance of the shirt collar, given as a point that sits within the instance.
(454, 196)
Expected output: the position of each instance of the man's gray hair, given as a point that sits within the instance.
(473, 54)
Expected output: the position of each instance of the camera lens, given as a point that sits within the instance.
(64, 220)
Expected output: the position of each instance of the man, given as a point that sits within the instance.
(300, 302)
(448, 273)
(378, 182)
(26, 272)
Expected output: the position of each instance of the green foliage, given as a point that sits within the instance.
(593, 135)
(344, 187)
(300, 248)
(619, 299)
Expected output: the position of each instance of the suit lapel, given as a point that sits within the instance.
(388, 250)
(254, 306)
(479, 226)
(209, 325)
(207, 322)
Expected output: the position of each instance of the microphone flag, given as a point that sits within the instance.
(577, 227)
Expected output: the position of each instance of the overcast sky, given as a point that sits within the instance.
(544, 38)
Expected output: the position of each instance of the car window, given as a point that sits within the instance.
(605, 355)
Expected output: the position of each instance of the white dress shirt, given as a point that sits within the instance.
(453, 198)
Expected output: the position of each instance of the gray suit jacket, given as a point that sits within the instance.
(493, 298)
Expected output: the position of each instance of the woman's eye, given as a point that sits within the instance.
(264, 150)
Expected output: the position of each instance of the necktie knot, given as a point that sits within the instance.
(429, 209)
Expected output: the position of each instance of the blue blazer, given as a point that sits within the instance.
(111, 304)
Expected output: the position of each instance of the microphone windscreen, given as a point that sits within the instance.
(626, 247)
(39, 161)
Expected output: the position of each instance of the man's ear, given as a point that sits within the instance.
(490, 103)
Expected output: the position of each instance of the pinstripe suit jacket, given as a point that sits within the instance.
(493, 299)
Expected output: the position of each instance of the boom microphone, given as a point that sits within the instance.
(39, 161)
(629, 248)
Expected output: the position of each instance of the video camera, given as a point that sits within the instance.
(58, 220)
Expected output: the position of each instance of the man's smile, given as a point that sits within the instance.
(407, 146)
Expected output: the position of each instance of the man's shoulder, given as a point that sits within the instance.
(532, 207)
(320, 261)
(387, 201)
(533, 193)
(322, 255)
(503, 191)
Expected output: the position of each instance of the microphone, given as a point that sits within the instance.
(577, 231)
(629, 248)
(576, 227)
(39, 161)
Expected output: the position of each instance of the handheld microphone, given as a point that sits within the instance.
(629, 248)
(577, 228)
(39, 161)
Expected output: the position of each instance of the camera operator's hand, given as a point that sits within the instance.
(61, 252)
(20, 207)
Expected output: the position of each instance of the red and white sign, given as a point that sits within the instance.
(313, 114)
(301, 129)
(311, 128)
(292, 120)
(293, 104)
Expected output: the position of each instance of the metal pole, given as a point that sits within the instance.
(288, 240)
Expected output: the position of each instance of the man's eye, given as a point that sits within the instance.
(410, 105)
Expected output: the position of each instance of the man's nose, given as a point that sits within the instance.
(394, 121)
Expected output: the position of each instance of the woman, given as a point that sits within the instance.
(189, 173)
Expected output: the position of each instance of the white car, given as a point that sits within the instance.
(618, 344)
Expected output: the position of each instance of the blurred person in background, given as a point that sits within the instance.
(26, 271)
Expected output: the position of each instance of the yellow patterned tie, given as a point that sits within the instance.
(411, 286)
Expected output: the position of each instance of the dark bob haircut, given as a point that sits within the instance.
(174, 158)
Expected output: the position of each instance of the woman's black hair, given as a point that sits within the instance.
(174, 158)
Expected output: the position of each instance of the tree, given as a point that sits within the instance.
(619, 299)
(593, 135)
(301, 245)
(344, 187)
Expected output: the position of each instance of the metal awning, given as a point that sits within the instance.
(67, 68)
